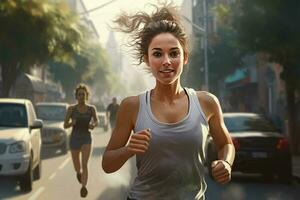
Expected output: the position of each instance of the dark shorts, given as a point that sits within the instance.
(76, 141)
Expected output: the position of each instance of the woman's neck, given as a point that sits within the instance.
(81, 104)
(167, 93)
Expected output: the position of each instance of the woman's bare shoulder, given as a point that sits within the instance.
(209, 102)
(91, 106)
(207, 97)
(128, 110)
(131, 102)
(71, 106)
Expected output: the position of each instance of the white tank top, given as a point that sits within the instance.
(172, 167)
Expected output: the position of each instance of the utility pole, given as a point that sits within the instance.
(203, 31)
(206, 77)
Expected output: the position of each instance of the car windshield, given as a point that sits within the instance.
(248, 123)
(51, 112)
(13, 115)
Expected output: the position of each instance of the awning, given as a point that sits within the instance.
(238, 75)
(29, 82)
(239, 78)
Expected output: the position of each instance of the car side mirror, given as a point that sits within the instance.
(37, 124)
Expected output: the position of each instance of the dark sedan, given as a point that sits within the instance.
(259, 145)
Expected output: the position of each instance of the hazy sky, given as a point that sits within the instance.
(103, 16)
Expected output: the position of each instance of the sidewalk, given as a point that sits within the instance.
(296, 166)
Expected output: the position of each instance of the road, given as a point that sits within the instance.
(59, 181)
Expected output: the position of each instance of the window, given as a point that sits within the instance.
(13, 115)
(51, 112)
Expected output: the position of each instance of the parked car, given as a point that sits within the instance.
(103, 122)
(260, 146)
(53, 133)
(20, 141)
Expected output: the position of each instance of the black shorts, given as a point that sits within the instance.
(76, 141)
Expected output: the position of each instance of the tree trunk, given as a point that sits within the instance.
(291, 115)
(9, 75)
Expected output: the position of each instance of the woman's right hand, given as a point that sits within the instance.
(139, 142)
(73, 122)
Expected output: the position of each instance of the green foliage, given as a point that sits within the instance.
(270, 26)
(34, 31)
(273, 27)
(224, 54)
(193, 72)
(90, 66)
(101, 71)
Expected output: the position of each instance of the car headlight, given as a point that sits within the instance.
(17, 147)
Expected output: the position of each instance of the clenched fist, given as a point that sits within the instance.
(139, 142)
(221, 171)
(73, 122)
(91, 126)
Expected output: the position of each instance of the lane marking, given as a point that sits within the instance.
(64, 164)
(52, 176)
(37, 193)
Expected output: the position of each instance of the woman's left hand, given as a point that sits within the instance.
(221, 171)
(91, 126)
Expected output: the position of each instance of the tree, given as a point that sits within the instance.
(192, 72)
(224, 56)
(69, 75)
(31, 33)
(273, 27)
(101, 73)
(91, 66)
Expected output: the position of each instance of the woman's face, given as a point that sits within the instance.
(165, 58)
(81, 95)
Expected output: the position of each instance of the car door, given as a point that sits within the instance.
(35, 134)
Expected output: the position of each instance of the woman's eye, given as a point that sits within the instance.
(157, 54)
(174, 54)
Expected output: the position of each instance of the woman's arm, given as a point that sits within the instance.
(221, 168)
(67, 123)
(94, 117)
(117, 153)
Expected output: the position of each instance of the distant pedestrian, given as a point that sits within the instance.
(166, 127)
(111, 112)
(82, 118)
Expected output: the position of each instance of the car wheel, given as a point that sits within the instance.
(38, 171)
(27, 179)
(285, 176)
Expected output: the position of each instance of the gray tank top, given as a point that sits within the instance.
(172, 168)
(82, 121)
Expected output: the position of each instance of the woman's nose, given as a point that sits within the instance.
(166, 60)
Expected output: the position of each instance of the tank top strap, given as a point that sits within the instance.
(90, 109)
(195, 103)
(142, 108)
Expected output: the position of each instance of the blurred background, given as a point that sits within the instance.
(247, 53)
